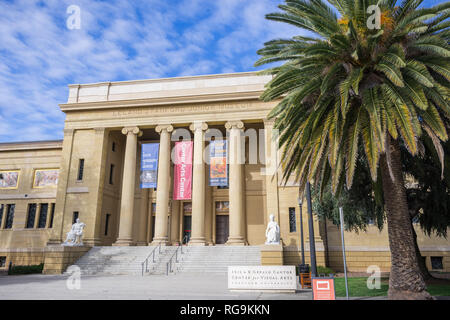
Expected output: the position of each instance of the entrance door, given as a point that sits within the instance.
(187, 223)
(222, 228)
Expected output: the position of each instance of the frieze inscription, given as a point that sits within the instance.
(181, 109)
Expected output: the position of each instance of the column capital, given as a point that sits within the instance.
(198, 126)
(164, 127)
(269, 122)
(132, 130)
(234, 125)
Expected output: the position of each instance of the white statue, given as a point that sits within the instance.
(272, 231)
(75, 235)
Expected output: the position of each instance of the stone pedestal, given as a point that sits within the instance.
(272, 255)
(58, 258)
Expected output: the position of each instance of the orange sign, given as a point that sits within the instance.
(323, 289)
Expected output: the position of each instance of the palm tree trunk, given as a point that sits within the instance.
(405, 280)
(422, 266)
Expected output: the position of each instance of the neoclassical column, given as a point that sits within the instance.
(271, 170)
(128, 184)
(198, 185)
(236, 183)
(143, 218)
(163, 186)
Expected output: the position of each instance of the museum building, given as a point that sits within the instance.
(96, 174)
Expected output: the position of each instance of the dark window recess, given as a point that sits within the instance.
(43, 216)
(75, 217)
(436, 263)
(31, 215)
(52, 214)
(114, 147)
(9, 215)
(222, 187)
(111, 174)
(2, 206)
(80, 169)
(2, 262)
(107, 223)
(292, 223)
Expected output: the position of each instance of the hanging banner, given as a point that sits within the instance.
(182, 186)
(218, 173)
(149, 165)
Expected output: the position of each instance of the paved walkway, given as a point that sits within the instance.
(179, 287)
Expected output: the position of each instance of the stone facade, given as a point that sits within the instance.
(99, 170)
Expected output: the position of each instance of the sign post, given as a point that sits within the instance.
(341, 218)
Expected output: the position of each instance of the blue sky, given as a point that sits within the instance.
(118, 40)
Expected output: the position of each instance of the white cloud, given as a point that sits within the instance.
(118, 40)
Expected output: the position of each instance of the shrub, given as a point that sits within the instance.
(26, 269)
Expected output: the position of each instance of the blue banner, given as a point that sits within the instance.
(218, 171)
(149, 165)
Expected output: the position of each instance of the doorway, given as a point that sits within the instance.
(222, 228)
(187, 224)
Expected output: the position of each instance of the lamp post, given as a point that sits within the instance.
(300, 204)
(312, 245)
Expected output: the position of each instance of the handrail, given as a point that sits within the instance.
(169, 264)
(146, 259)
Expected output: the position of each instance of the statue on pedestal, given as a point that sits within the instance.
(75, 235)
(272, 231)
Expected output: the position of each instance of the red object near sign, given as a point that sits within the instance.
(323, 289)
(182, 187)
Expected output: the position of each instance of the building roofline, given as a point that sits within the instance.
(31, 145)
(166, 79)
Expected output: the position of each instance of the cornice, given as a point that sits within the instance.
(32, 145)
(149, 102)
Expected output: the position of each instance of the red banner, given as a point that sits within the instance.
(182, 187)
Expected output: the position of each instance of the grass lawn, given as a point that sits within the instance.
(357, 287)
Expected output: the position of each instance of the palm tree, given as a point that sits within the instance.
(377, 80)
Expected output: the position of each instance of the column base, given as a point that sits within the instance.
(197, 241)
(124, 243)
(160, 241)
(141, 244)
(236, 242)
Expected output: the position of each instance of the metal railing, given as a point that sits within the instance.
(169, 265)
(144, 264)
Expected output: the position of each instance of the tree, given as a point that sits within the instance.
(382, 85)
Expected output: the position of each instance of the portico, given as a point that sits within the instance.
(199, 109)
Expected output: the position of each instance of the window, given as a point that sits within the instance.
(80, 169)
(2, 206)
(107, 223)
(114, 147)
(292, 224)
(43, 216)
(111, 174)
(31, 215)
(9, 215)
(52, 213)
(222, 187)
(75, 217)
(2, 262)
(436, 263)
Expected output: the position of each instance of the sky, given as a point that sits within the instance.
(117, 40)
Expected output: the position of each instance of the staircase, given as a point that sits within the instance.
(128, 260)
(216, 259)
(116, 260)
